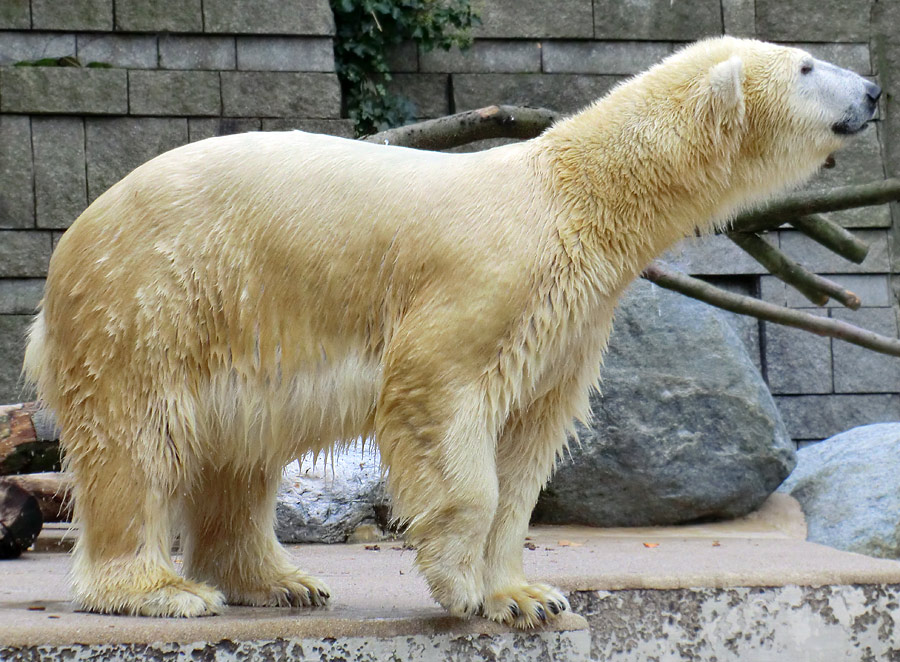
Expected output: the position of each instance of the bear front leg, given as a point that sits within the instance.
(231, 543)
(526, 453)
(439, 450)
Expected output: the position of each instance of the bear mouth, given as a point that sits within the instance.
(848, 127)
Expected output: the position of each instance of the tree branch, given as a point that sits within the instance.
(469, 126)
(832, 236)
(743, 305)
(814, 287)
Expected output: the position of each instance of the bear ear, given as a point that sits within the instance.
(726, 81)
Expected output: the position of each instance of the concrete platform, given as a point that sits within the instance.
(751, 590)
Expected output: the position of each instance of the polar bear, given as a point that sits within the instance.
(239, 302)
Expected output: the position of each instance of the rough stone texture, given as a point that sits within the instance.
(746, 327)
(26, 254)
(857, 370)
(565, 93)
(341, 128)
(484, 56)
(190, 52)
(821, 260)
(199, 129)
(857, 623)
(174, 93)
(327, 501)
(657, 19)
(571, 646)
(427, 92)
(118, 50)
(685, 429)
(280, 94)
(821, 416)
(530, 19)
(847, 487)
(159, 15)
(813, 20)
(116, 146)
(12, 349)
(72, 15)
(739, 17)
(64, 90)
(597, 57)
(714, 255)
(60, 182)
(20, 296)
(15, 14)
(797, 361)
(872, 289)
(16, 173)
(268, 17)
(404, 58)
(285, 54)
(30, 46)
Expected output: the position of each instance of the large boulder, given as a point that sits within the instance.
(332, 499)
(685, 429)
(849, 489)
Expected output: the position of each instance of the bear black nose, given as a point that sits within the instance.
(872, 91)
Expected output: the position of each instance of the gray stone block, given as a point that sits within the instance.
(403, 57)
(159, 15)
(119, 50)
(268, 17)
(872, 289)
(285, 54)
(174, 93)
(16, 172)
(813, 20)
(63, 90)
(859, 162)
(15, 15)
(739, 17)
(821, 416)
(713, 255)
(116, 146)
(819, 259)
(24, 253)
(565, 93)
(657, 19)
(859, 370)
(535, 19)
(20, 296)
(196, 52)
(427, 92)
(485, 56)
(855, 57)
(797, 362)
(340, 128)
(280, 94)
(13, 331)
(200, 129)
(602, 57)
(72, 15)
(60, 183)
(29, 46)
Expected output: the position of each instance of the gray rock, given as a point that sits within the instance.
(820, 416)
(848, 488)
(328, 501)
(685, 430)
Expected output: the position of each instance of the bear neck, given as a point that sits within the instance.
(631, 182)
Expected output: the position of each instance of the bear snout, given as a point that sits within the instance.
(873, 92)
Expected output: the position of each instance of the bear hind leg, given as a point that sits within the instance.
(230, 541)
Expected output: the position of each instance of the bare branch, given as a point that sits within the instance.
(469, 126)
(832, 236)
(743, 305)
(814, 287)
(803, 203)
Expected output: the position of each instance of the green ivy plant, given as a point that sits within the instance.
(366, 32)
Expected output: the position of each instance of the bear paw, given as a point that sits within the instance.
(525, 606)
(175, 598)
(296, 589)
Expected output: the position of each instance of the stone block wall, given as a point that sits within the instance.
(183, 70)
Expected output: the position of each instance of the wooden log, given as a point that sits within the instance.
(52, 490)
(29, 440)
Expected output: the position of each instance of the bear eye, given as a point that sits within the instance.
(806, 69)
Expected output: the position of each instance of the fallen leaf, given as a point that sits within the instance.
(651, 545)
(36, 608)
(569, 543)
(530, 545)
(373, 548)
(716, 543)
